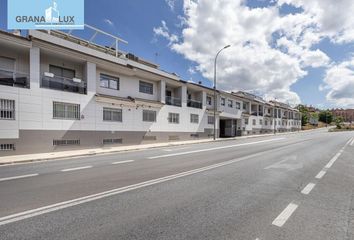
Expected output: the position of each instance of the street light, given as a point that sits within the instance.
(216, 57)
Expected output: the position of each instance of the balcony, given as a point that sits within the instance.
(194, 104)
(63, 84)
(14, 79)
(173, 101)
(254, 113)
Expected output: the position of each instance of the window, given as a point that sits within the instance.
(208, 99)
(66, 111)
(149, 116)
(238, 105)
(107, 81)
(112, 141)
(194, 118)
(266, 122)
(112, 114)
(173, 117)
(145, 87)
(62, 72)
(66, 142)
(7, 147)
(260, 121)
(244, 106)
(230, 103)
(222, 101)
(210, 119)
(246, 121)
(254, 122)
(7, 109)
(7, 63)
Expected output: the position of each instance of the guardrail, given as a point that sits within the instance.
(194, 104)
(63, 84)
(173, 101)
(14, 79)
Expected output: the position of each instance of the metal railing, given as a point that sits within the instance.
(63, 84)
(14, 79)
(173, 101)
(194, 103)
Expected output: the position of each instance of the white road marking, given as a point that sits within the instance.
(287, 166)
(18, 177)
(308, 188)
(61, 205)
(332, 161)
(285, 215)
(215, 148)
(75, 169)
(126, 161)
(352, 143)
(174, 149)
(320, 174)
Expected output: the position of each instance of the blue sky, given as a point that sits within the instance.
(135, 21)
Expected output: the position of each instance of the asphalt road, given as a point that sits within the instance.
(295, 186)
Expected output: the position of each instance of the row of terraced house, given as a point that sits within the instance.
(60, 92)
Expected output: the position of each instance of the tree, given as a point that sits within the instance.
(304, 114)
(339, 121)
(326, 116)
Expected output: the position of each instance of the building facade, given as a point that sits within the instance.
(60, 92)
(346, 114)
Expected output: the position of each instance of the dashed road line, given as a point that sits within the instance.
(308, 188)
(62, 205)
(18, 177)
(285, 215)
(75, 169)
(215, 148)
(320, 174)
(120, 162)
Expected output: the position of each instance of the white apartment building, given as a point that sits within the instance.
(61, 92)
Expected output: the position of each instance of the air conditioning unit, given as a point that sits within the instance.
(48, 74)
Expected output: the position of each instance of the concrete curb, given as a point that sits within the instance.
(29, 158)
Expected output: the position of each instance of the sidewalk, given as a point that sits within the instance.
(93, 151)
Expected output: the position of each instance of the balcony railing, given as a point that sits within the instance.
(254, 113)
(194, 103)
(14, 79)
(63, 84)
(173, 101)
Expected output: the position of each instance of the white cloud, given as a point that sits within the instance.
(163, 31)
(171, 4)
(109, 22)
(339, 82)
(270, 51)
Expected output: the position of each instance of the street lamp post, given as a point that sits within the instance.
(216, 57)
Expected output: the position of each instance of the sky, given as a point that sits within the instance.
(295, 51)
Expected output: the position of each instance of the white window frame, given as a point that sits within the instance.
(149, 116)
(7, 109)
(111, 112)
(238, 105)
(173, 118)
(211, 119)
(146, 87)
(194, 118)
(67, 113)
(230, 103)
(209, 100)
(109, 79)
(222, 101)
